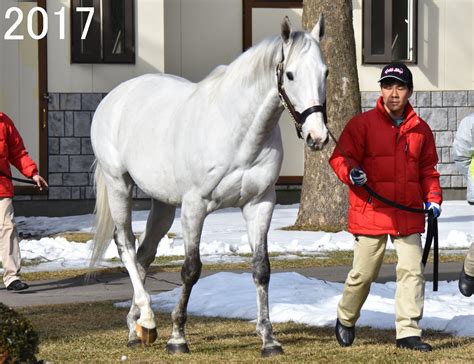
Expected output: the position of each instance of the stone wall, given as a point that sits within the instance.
(71, 157)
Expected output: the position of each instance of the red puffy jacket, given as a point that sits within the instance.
(12, 150)
(400, 165)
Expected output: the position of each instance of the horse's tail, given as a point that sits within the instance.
(103, 225)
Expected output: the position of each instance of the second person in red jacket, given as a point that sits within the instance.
(392, 149)
(12, 151)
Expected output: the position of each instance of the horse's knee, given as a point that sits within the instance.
(191, 270)
(261, 270)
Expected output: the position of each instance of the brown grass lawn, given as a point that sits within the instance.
(97, 333)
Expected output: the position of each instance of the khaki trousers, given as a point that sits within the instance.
(469, 262)
(409, 296)
(9, 243)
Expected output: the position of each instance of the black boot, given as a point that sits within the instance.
(345, 335)
(413, 343)
(466, 284)
(17, 285)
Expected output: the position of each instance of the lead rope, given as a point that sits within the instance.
(19, 179)
(432, 230)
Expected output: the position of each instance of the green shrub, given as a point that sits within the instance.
(18, 340)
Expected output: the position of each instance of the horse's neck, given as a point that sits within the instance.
(259, 115)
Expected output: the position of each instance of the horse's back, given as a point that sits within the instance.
(149, 99)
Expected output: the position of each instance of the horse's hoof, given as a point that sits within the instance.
(177, 348)
(147, 336)
(134, 343)
(272, 351)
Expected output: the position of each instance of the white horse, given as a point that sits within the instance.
(204, 146)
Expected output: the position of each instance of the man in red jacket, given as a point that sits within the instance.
(12, 151)
(393, 150)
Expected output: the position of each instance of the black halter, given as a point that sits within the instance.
(298, 118)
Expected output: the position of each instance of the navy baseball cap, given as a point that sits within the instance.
(398, 71)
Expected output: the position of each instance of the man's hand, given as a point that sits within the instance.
(40, 182)
(435, 207)
(357, 177)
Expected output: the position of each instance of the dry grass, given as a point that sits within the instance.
(169, 264)
(97, 333)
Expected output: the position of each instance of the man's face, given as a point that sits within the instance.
(395, 96)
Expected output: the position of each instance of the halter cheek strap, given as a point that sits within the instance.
(298, 118)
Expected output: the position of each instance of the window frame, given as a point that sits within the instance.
(386, 57)
(99, 35)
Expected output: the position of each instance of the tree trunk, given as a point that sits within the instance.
(323, 197)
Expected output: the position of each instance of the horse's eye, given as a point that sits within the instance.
(290, 76)
(326, 74)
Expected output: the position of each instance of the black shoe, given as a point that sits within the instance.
(413, 343)
(466, 284)
(17, 285)
(345, 335)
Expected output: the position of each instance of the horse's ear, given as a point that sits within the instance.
(318, 30)
(286, 29)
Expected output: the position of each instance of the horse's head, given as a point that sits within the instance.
(301, 75)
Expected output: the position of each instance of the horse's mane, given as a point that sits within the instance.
(255, 61)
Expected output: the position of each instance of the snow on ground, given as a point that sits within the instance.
(292, 297)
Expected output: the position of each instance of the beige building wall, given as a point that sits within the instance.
(19, 77)
(445, 47)
(149, 44)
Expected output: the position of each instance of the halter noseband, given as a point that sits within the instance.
(298, 118)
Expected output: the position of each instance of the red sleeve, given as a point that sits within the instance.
(352, 144)
(429, 176)
(17, 154)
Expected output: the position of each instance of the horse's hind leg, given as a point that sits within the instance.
(119, 190)
(258, 216)
(158, 224)
(193, 212)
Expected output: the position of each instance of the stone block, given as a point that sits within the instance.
(369, 98)
(454, 98)
(70, 146)
(423, 99)
(55, 179)
(445, 181)
(91, 101)
(437, 118)
(60, 193)
(456, 182)
(436, 98)
(471, 98)
(53, 146)
(462, 112)
(86, 146)
(53, 103)
(55, 123)
(89, 193)
(447, 169)
(82, 123)
(75, 179)
(444, 139)
(69, 123)
(58, 163)
(70, 101)
(75, 193)
(81, 163)
(446, 155)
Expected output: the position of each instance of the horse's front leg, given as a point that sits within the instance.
(258, 216)
(193, 212)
